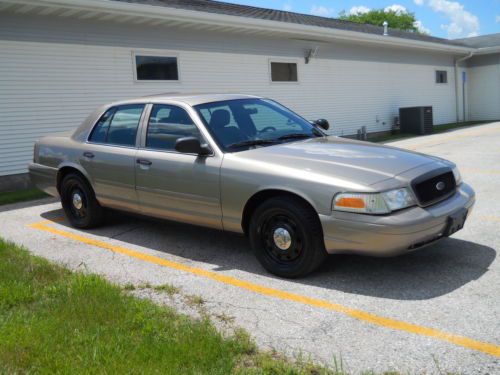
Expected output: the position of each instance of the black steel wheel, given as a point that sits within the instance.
(286, 236)
(79, 202)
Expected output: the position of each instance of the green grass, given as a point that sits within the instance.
(21, 196)
(167, 288)
(437, 129)
(55, 321)
(194, 300)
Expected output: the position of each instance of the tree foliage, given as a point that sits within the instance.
(396, 20)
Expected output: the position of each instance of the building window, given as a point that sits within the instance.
(283, 72)
(156, 68)
(441, 76)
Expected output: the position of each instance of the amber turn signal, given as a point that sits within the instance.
(351, 202)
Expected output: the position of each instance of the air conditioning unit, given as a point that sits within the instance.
(416, 120)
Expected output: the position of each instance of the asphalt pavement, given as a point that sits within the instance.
(435, 310)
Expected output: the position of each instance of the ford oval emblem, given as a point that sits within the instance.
(440, 185)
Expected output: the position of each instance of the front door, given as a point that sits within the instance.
(174, 185)
(109, 156)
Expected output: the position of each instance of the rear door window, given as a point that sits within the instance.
(118, 126)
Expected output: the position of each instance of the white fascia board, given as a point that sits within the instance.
(159, 12)
(487, 50)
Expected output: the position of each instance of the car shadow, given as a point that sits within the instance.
(423, 274)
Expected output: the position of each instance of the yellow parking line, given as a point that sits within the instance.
(48, 221)
(281, 294)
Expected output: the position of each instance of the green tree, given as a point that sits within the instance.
(396, 20)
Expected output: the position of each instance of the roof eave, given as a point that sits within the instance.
(175, 14)
(487, 50)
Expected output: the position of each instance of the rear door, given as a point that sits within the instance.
(174, 185)
(109, 156)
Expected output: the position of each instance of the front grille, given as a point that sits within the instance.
(429, 190)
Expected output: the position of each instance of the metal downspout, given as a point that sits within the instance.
(457, 61)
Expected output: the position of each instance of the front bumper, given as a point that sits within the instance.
(393, 234)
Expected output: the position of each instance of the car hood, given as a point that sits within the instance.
(360, 162)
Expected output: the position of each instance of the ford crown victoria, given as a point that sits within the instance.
(246, 164)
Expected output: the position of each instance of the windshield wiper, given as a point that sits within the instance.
(252, 142)
(295, 136)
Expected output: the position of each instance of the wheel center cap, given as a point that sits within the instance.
(77, 201)
(282, 238)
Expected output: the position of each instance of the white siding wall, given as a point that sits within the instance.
(484, 87)
(54, 72)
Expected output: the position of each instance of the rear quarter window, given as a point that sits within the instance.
(100, 131)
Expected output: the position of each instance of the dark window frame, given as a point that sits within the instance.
(286, 62)
(172, 55)
(115, 109)
(441, 77)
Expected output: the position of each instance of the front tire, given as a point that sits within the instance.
(287, 238)
(79, 203)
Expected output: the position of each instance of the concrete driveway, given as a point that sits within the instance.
(436, 310)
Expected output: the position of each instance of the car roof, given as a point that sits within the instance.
(189, 99)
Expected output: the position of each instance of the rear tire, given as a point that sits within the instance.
(287, 238)
(79, 203)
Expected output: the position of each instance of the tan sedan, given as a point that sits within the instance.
(247, 164)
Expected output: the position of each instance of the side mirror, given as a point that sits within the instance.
(322, 123)
(192, 145)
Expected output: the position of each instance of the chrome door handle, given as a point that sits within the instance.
(144, 162)
(88, 155)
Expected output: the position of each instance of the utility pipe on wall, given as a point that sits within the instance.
(457, 61)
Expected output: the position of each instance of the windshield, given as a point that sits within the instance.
(241, 124)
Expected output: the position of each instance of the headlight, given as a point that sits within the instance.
(374, 203)
(398, 199)
(458, 177)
